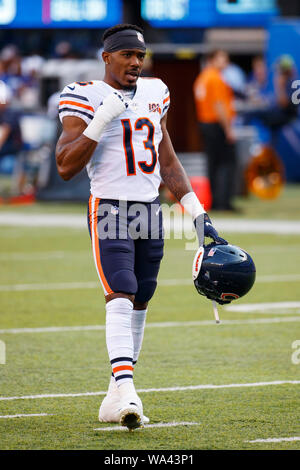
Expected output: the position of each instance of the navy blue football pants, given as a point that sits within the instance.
(127, 243)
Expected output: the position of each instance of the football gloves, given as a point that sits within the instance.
(111, 107)
(204, 228)
(210, 231)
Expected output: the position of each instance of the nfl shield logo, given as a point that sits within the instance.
(114, 210)
(140, 36)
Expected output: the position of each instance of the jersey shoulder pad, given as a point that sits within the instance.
(161, 91)
(154, 82)
(157, 85)
(74, 101)
(165, 98)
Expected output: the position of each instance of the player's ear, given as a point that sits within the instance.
(105, 57)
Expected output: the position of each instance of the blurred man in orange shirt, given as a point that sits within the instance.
(215, 113)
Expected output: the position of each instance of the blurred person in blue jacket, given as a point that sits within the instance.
(277, 109)
(10, 131)
(258, 90)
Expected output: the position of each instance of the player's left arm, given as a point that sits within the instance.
(171, 170)
(176, 179)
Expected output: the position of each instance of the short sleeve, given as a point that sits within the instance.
(74, 102)
(165, 100)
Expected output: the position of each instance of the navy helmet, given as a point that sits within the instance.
(226, 273)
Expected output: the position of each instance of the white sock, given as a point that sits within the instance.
(138, 321)
(119, 339)
(112, 387)
(126, 389)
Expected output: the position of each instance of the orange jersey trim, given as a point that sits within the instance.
(95, 241)
(166, 99)
(74, 103)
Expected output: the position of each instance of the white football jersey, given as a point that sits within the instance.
(125, 163)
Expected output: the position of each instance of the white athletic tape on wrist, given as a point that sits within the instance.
(113, 105)
(192, 205)
(94, 129)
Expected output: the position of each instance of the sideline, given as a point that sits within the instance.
(150, 390)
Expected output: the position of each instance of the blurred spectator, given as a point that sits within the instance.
(215, 113)
(10, 132)
(64, 50)
(21, 75)
(258, 88)
(52, 112)
(11, 69)
(280, 109)
(283, 79)
(235, 77)
(32, 66)
(31, 71)
(52, 105)
(11, 59)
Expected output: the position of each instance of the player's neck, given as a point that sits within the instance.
(112, 82)
(117, 85)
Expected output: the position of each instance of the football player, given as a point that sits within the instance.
(116, 128)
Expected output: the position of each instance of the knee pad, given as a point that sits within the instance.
(145, 290)
(124, 281)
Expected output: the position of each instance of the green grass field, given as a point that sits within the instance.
(247, 348)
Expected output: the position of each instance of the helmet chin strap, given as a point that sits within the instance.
(216, 311)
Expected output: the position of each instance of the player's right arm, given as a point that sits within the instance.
(78, 141)
(73, 150)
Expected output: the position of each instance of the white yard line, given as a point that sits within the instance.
(273, 248)
(259, 307)
(284, 227)
(24, 416)
(64, 329)
(43, 255)
(157, 425)
(53, 395)
(32, 256)
(50, 286)
(161, 283)
(48, 255)
(278, 278)
(53, 329)
(19, 219)
(151, 390)
(260, 279)
(277, 439)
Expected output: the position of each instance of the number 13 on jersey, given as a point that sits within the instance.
(148, 144)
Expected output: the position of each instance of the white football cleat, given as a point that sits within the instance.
(109, 411)
(131, 412)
